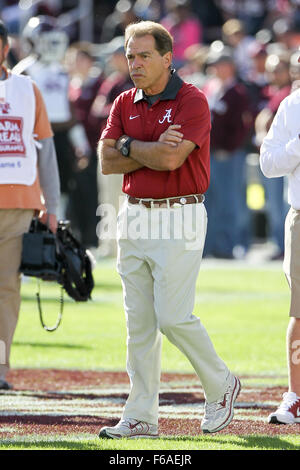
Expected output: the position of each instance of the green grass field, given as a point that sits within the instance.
(212, 443)
(244, 309)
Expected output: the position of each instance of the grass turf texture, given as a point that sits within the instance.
(212, 442)
(244, 309)
(245, 312)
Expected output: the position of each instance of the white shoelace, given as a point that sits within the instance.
(127, 422)
(210, 411)
(289, 399)
(211, 408)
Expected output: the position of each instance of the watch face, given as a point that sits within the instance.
(125, 151)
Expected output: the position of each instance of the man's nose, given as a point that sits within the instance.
(136, 63)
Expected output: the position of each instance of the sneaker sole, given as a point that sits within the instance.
(235, 394)
(105, 435)
(274, 420)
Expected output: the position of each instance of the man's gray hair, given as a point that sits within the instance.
(162, 37)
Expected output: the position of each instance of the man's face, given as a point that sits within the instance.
(147, 67)
(224, 70)
(260, 63)
(281, 75)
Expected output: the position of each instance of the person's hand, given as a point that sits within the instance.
(82, 160)
(50, 220)
(172, 136)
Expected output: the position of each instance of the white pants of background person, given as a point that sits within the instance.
(159, 274)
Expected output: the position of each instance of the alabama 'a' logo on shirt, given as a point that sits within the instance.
(167, 117)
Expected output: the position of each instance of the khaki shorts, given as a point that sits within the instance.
(291, 263)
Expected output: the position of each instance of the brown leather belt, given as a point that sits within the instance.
(168, 202)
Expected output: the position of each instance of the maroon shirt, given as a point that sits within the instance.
(231, 119)
(276, 96)
(82, 99)
(180, 103)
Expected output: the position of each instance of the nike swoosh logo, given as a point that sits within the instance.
(223, 403)
(133, 117)
(132, 426)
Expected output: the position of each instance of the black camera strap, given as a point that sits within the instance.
(59, 318)
(60, 258)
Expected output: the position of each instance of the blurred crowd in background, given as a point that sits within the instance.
(243, 54)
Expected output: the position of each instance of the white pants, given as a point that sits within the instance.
(159, 273)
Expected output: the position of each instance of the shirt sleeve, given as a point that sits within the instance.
(194, 117)
(49, 175)
(279, 154)
(114, 128)
(42, 126)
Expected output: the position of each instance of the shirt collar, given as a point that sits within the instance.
(170, 92)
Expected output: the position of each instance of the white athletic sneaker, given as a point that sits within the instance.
(130, 429)
(219, 414)
(288, 411)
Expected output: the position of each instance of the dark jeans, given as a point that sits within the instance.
(227, 211)
(83, 203)
(276, 209)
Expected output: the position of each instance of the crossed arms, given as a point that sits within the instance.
(168, 153)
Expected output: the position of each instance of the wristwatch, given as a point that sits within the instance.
(124, 145)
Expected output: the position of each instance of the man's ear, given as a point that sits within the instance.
(168, 59)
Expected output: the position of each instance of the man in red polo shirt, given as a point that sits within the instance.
(157, 135)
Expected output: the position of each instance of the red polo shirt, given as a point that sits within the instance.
(180, 103)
